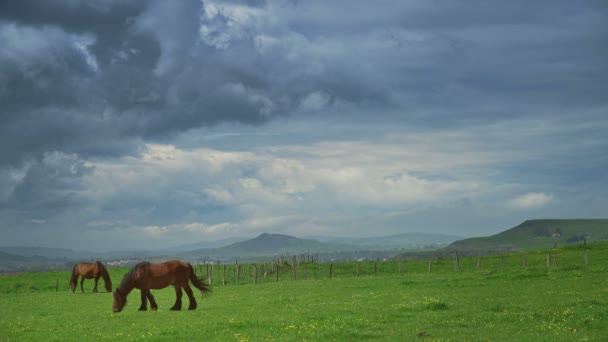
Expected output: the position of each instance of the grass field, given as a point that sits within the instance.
(499, 301)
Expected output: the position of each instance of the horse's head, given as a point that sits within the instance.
(119, 301)
(108, 285)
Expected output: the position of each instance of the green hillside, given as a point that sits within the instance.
(536, 234)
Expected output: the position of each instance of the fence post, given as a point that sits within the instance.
(224, 275)
(210, 275)
(430, 266)
(548, 260)
(295, 277)
(376, 267)
(555, 261)
(457, 263)
(586, 259)
(57, 285)
(277, 274)
(331, 271)
(478, 263)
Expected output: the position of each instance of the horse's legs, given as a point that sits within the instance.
(96, 280)
(153, 305)
(192, 305)
(178, 299)
(82, 281)
(144, 301)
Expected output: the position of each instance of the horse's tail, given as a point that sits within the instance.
(199, 283)
(73, 279)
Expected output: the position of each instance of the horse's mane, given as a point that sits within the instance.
(104, 271)
(127, 282)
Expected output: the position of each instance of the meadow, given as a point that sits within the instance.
(489, 299)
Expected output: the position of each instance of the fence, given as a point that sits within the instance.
(284, 269)
(288, 269)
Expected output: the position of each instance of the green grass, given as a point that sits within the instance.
(500, 301)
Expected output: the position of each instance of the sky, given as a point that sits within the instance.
(150, 124)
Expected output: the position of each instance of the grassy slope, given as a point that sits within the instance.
(500, 301)
(535, 234)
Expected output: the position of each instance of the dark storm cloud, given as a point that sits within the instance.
(79, 74)
(489, 53)
(149, 69)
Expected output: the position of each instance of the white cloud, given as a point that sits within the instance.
(314, 101)
(190, 230)
(83, 44)
(293, 179)
(530, 200)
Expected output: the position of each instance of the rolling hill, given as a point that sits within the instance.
(404, 240)
(536, 234)
(262, 247)
(51, 253)
(268, 245)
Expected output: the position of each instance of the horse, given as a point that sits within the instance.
(88, 270)
(146, 276)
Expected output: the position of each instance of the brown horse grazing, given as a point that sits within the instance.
(146, 276)
(89, 270)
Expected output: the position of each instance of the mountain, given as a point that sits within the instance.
(4, 257)
(277, 243)
(536, 234)
(267, 245)
(51, 253)
(203, 244)
(404, 240)
(12, 263)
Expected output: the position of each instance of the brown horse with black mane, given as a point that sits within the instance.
(146, 276)
(89, 270)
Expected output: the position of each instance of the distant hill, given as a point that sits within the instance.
(536, 234)
(275, 243)
(12, 263)
(4, 257)
(59, 254)
(51, 253)
(261, 247)
(404, 240)
(203, 244)
(268, 245)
